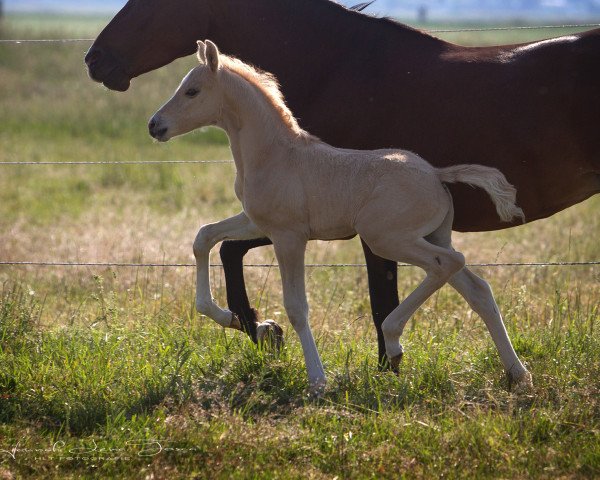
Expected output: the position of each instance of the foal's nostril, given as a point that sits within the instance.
(155, 130)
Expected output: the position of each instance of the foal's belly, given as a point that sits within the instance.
(330, 217)
(336, 233)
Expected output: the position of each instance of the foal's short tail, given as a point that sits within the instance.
(492, 180)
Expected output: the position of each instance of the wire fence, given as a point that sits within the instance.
(117, 162)
(155, 162)
(22, 41)
(274, 265)
(516, 28)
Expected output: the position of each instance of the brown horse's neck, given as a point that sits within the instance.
(297, 39)
(305, 44)
(249, 28)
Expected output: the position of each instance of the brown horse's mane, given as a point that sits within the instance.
(267, 83)
(268, 86)
(369, 17)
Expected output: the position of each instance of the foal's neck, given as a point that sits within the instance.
(255, 129)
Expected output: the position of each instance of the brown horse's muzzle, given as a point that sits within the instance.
(104, 68)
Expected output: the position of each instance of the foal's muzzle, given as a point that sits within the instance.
(156, 130)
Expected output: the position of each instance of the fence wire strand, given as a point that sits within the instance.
(22, 41)
(274, 265)
(523, 27)
(117, 162)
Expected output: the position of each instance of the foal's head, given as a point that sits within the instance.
(196, 103)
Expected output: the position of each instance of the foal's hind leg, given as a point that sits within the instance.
(439, 265)
(478, 295)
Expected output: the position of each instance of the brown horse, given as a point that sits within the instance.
(530, 110)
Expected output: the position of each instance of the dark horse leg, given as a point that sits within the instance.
(383, 288)
(232, 253)
(383, 292)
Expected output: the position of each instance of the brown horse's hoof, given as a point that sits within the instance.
(394, 363)
(269, 334)
(236, 324)
(521, 385)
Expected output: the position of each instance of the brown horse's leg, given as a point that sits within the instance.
(383, 290)
(232, 253)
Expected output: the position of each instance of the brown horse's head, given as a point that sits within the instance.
(142, 37)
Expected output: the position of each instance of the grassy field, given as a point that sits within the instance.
(109, 373)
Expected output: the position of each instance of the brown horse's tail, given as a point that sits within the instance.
(492, 180)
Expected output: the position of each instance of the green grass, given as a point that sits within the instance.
(232, 410)
(109, 373)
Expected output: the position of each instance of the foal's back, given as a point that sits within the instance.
(341, 188)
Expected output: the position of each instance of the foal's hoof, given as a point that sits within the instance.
(522, 385)
(269, 334)
(316, 390)
(394, 363)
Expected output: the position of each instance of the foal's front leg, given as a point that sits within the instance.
(238, 227)
(289, 250)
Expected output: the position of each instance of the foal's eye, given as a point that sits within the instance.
(192, 92)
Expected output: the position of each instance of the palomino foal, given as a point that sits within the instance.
(294, 188)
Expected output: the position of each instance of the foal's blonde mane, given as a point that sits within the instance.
(268, 86)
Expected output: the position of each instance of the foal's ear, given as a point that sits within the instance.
(201, 51)
(212, 56)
